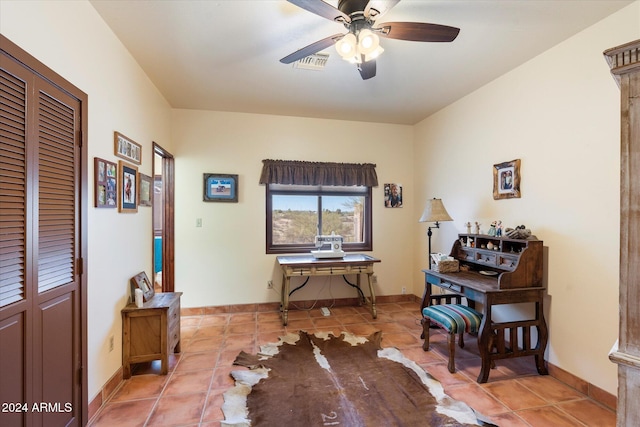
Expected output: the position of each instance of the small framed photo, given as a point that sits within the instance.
(506, 180)
(145, 190)
(220, 188)
(127, 187)
(392, 196)
(125, 148)
(142, 282)
(105, 181)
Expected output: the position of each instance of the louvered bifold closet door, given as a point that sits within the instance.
(40, 181)
(15, 308)
(13, 179)
(57, 296)
(57, 193)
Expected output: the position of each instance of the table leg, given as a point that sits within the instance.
(164, 352)
(126, 347)
(285, 299)
(543, 335)
(484, 340)
(426, 300)
(426, 296)
(374, 311)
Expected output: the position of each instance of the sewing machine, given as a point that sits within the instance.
(328, 246)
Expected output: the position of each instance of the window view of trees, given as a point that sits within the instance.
(339, 214)
(297, 213)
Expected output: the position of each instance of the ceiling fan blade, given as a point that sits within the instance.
(321, 8)
(375, 8)
(312, 48)
(417, 31)
(367, 69)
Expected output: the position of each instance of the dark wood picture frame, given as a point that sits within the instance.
(219, 187)
(392, 200)
(142, 282)
(145, 190)
(127, 188)
(506, 180)
(105, 178)
(126, 148)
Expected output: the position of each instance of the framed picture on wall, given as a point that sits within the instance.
(220, 188)
(506, 180)
(127, 188)
(145, 190)
(105, 183)
(392, 196)
(126, 148)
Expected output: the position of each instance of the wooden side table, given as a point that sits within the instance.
(151, 332)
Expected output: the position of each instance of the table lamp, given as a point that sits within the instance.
(434, 211)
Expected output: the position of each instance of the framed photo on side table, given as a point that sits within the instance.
(220, 188)
(126, 148)
(105, 183)
(506, 180)
(141, 281)
(127, 187)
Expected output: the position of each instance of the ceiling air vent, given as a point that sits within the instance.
(317, 61)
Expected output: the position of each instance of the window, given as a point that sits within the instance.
(297, 213)
(305, 199)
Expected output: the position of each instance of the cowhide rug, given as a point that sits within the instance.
(323, 380)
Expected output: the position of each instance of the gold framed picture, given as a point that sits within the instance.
(506, 180)
(126, 148)
(127, 188)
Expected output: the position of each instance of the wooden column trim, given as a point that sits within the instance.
(623, 59)
(624, 358)
(624, 62)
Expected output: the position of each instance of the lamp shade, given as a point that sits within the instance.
(434, 211)
(347, 46)
(368, 42)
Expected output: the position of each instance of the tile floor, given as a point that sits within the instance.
(191, 394)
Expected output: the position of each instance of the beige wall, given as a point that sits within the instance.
(224, 262)
(71, 38)
(563, 124)
(559, 113)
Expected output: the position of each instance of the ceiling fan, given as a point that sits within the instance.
(360, 45)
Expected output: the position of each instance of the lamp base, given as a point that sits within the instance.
(429, 234)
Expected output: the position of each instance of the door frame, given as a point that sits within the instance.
(168, 217)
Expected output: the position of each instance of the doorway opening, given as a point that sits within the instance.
(163, 219)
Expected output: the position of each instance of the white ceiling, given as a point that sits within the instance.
(224, 55)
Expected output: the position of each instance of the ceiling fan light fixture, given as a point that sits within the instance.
(361, 44)
(368, 41)
(347, 46)
(374, 54)
(363, 47)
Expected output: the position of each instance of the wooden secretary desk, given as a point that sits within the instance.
(499, 270)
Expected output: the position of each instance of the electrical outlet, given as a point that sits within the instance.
(198, 222)
(270, 284)
(404, 290)
(374, 279)
(110, 343)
